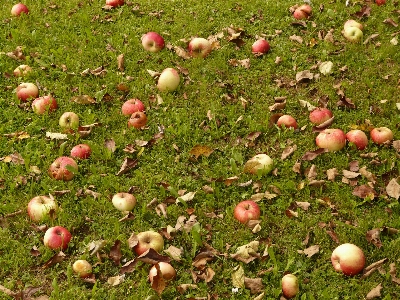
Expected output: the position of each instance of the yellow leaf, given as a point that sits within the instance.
(201, 150)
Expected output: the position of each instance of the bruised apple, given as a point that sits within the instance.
(137, 120)
(63, 168)
(259, 164)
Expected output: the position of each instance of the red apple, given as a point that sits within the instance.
(137, 120)
(43, 104)
(148, 239)
(18, 9)
(358, 138)
(169, 80)
(199, 47)
(290, 286)
(260, 47)
(22, 70)
(331, 139)
(348, 259)
(131, 106)
(381, 135)
(63, 168)
(57, 238)
(302, 12)
(82, 268)
(81, 151)
(380, 2)
(40, 207)
(246, 210)
(124, 201)
(69, 120)
(162, 269)
(320, 115)
(26, 90)
(153, 42)
(259, 164)
(288, 121)
(115, 3)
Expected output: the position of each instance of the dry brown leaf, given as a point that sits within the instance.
(371, 37)
(244, 63)
(310, 251)
(391, 22)
(158, 283)
(56, 136)
(186, 197)
(373, 236)
(304, 76)
(303, 205)
(296, 38)
(55, 259)
(332, 173)
(115, 252)
(289, 150)
(254, 284)
(247, 253)
(199, 150)
(121, 62)
(393, 189)
(174, 252)
(310, 155)
(127, 165)
(396, 145)
(83, 99)
(182, 288)
(116, 280)
(392, 272)
(350, 174)
(364, 191)
(312, 173)
(375, 292)
(279, 104)
(238, 277)
(370, 177)
(181, 52)
(14, 158)
(16, 54)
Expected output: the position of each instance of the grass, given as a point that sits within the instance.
(61, 40)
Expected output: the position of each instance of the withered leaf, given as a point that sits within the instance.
(310, 251)
(278, 105)
(128, 217)
(174, 252)
(56, 136)
(396, 145)
(310, 155)
(303, 205)
(115, 252)
(14, 158)
(350, 174)
(129, 267)
(206, 274)
(95, 246)
(323, 125)
(116, 280)
(238, 277)
(199, 150)
(55, 259)
(296, 38)
(121, 61)
(289, 150)
(127, 165)
(83, 99)
(371, 37)
(152, 257)
(244, 63)
(247, 253)
(110, 145)
(203, 258)
(364, 191)
(393, 189)
(35, 251)
(307, 105)
(332, 173)
(158, 282)
(375, 292)
(392, 272)
(333, 236)
(303, 76)
(391, 22)
(254, 284)
(181, 52)
(186, 197)
(182, 288)
(365, 11)
(16, 54)
(373, 236)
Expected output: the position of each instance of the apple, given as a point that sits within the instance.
(288, 121)
(348, 259)
(381, 135)
(152, 42)
(22, 70)
(81, 151)
(199, 47)
(26, 90)
(148, 239)
(353, 23)
(69, 120)
(18, 9)
(302, 12)
(137, 120)
(358, 138)
(124, 201)
(290, 286)
(63, 168)
(43, 104)
(259, 164)
(57, 237)
(115, 3)
(331, 139)
(39, 207)
(167, 271)
(246, 210)
(82, 268)
(380, 2)
(131, 106)
(260, 46)
(169, 80)
(320, 115)
(352, 31)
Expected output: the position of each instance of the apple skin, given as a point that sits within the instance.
(320, 115)
(302, 12)
(115, 3)
(353, 23)
(43, 104)
(169, 80)
(381, 135)
(358, 138)
(81, 151)
(288, 121)
(148, 239)
(131, 106)
(259, 164)
(69, 120)
(246, 210)
(59, 168)
(260, 46)
(153, 42)
(199, 47)
(167, 271)
(18, 9)
(353, 34)
(290, 286)
(82, 268)
(57, 237)
(380, 2)
(137, 120)
(348, 259)
(124, 201)
(22, 70)
(26, 90)
(39, 207)
(331, 139)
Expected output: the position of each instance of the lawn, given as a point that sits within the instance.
(188, 166)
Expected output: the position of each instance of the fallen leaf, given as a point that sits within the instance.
(238, 277)
(186, 198)
(121, 61)
(391, 22)
(303, 76)
(307, 105)
(56, 136)
(199, 150)
(332, 173)
(310, 155)
(182, 288)
(55, 259)
(393, 189)
(296, 38)
(127, 165)
(254, 284)
(174, 252)
(373, 236)
(310, 251)
(303, 205)
(350, 174)
(158, 283)
(247, 253)
(364, 191)
(326, 67)
(83, 99)
(115, 252)
(116, 280)
(375, 292)
(289, 150)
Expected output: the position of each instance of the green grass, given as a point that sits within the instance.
(62, 40)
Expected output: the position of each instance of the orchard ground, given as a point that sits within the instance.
(185, 167)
